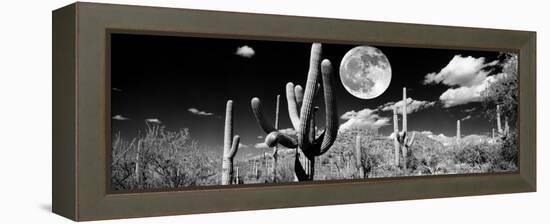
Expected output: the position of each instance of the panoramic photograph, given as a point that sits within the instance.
(190, 111)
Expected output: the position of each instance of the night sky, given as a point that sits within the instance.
(184, 82)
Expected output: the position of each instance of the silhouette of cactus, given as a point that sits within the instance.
(230, 146)
(403, 138)
(306, 143)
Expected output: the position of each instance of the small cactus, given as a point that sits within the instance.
(230, 146)
(139, 169)
(359, 164)
(499, 127)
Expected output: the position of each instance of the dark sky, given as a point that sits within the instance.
(163, 77)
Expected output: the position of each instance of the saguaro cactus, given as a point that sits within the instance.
(307, 143)
(139, 169)
(403, 138)
(230, 146)
(457, 132)
(395, 136)
(359, 164)
(499, 127)
(275, 148)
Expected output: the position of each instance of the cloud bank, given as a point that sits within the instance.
(153, 120)
(412, 105)
(363, 119)
(467, 78)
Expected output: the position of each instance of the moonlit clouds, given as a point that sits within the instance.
(412, 105)
(245, 51)
(467, 77)
(199, 112)
(119, 117)
(461, 71)
(153, 120)
(363, 119)
(467, 94)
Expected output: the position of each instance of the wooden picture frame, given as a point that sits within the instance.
(81, 116)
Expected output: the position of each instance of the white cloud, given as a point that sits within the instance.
(412, 105)
(461, 71)
(466, 94)
(153, 120)
(466, 77)
(120, 117)
(363, 119)
(198, 112)
(242, 146)
(260, 137)
(245, 51)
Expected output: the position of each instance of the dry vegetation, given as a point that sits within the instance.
(173, 159)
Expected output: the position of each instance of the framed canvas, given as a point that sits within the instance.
(161, 111)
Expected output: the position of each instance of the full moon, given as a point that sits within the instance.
(365, 72)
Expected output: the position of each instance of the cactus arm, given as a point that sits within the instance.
(331, 125)
(275, 137)
(234, 147)
(256, 105)
(299, 95)
(293, 105)
(411, 140)
(306, 111)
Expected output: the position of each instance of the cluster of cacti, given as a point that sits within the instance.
(402, 139)
(301, 111)
(230, 146)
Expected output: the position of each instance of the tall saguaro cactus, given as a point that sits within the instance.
(403, 138)
(301, 111)
(395, 136)
(230, 145)
(499, 127)
(275, 148)
(139, 169)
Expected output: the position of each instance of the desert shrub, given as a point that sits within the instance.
(473, 154)
(168, 159)
(509, 148)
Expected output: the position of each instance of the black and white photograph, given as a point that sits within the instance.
(196, 111)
